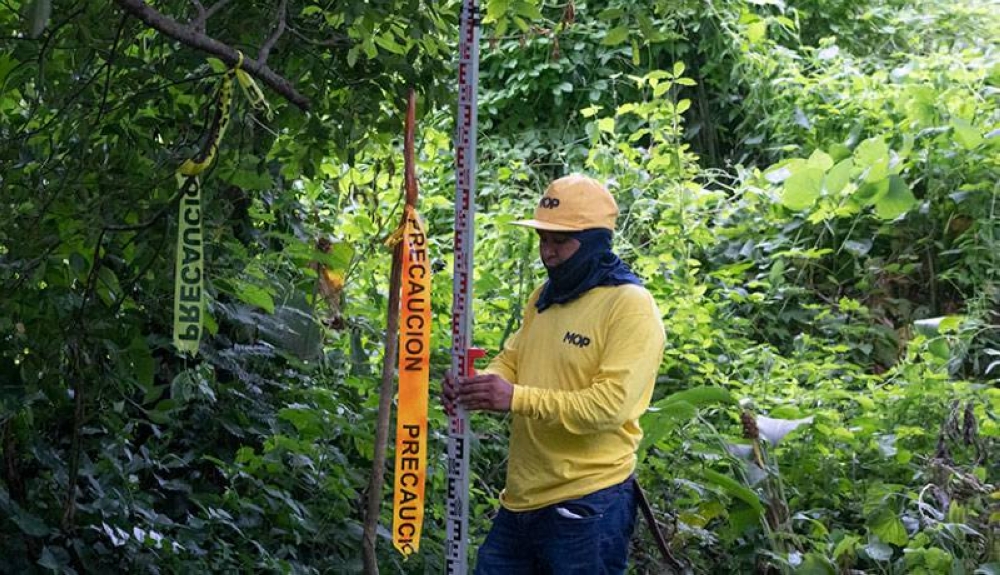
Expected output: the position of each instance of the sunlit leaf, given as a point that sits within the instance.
(815, 564)
(820, 159)
(802, 188)
(838, 176)
(967, 135)
(872, 157)
(698, 397)
(888, 527)
(254, 295)
(616, 36)
(757, 31)
(897, 200)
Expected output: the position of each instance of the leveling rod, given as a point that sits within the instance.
(462, 354)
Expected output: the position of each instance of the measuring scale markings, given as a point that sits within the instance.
(457, 506)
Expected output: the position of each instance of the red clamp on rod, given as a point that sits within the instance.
(471, 355)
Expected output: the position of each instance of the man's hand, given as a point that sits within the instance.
(479, 392)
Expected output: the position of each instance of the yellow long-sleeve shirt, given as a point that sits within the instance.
(583, 373)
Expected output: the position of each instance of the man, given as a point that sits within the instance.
(575, 377)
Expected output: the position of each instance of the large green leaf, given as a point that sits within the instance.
(872, 157)
(698, 397)
(802, 188)
(734, 489)
(838, 176)
(967, 135)
(887, 525)
(815, 564)
(896, 201)
(254, 295)
(616, 36)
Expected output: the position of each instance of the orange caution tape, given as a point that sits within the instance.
(414, 372)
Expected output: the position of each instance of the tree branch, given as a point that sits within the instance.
(201, 13)
(265, 50)
(200, 41)
(198, 23)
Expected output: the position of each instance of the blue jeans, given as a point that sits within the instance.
(585, 536)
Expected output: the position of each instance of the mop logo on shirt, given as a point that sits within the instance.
(577, 339)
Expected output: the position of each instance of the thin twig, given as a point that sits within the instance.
(199, 22)
(265, 50)
(377, 477)
(110, 64)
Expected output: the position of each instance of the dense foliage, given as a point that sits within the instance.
(809, 189)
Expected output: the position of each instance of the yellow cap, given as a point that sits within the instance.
(574, 203)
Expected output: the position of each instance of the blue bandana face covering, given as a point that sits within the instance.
(594, 264)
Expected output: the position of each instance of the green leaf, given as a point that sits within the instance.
(388, 42)
(611, 14)
(897, 201)
(815, 564)
(887, 525)
(698, 397)
(820, 159)
(940, 348)
(616, 36)
(838, 176)
(733, 488)
(338, 258)
(757, 31)
(870, 192)
(802, 188)
(30, 524)
(967, 135)
(872, 156)
(846, 547)
(217, 65)
(307, 421)
(252, 179)
(7, 64)
(529, 10)
(679, 411)
(140, 363)
(951, 323)
(54, 559)
(658, 424)
(254, 295)
(646, 26)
